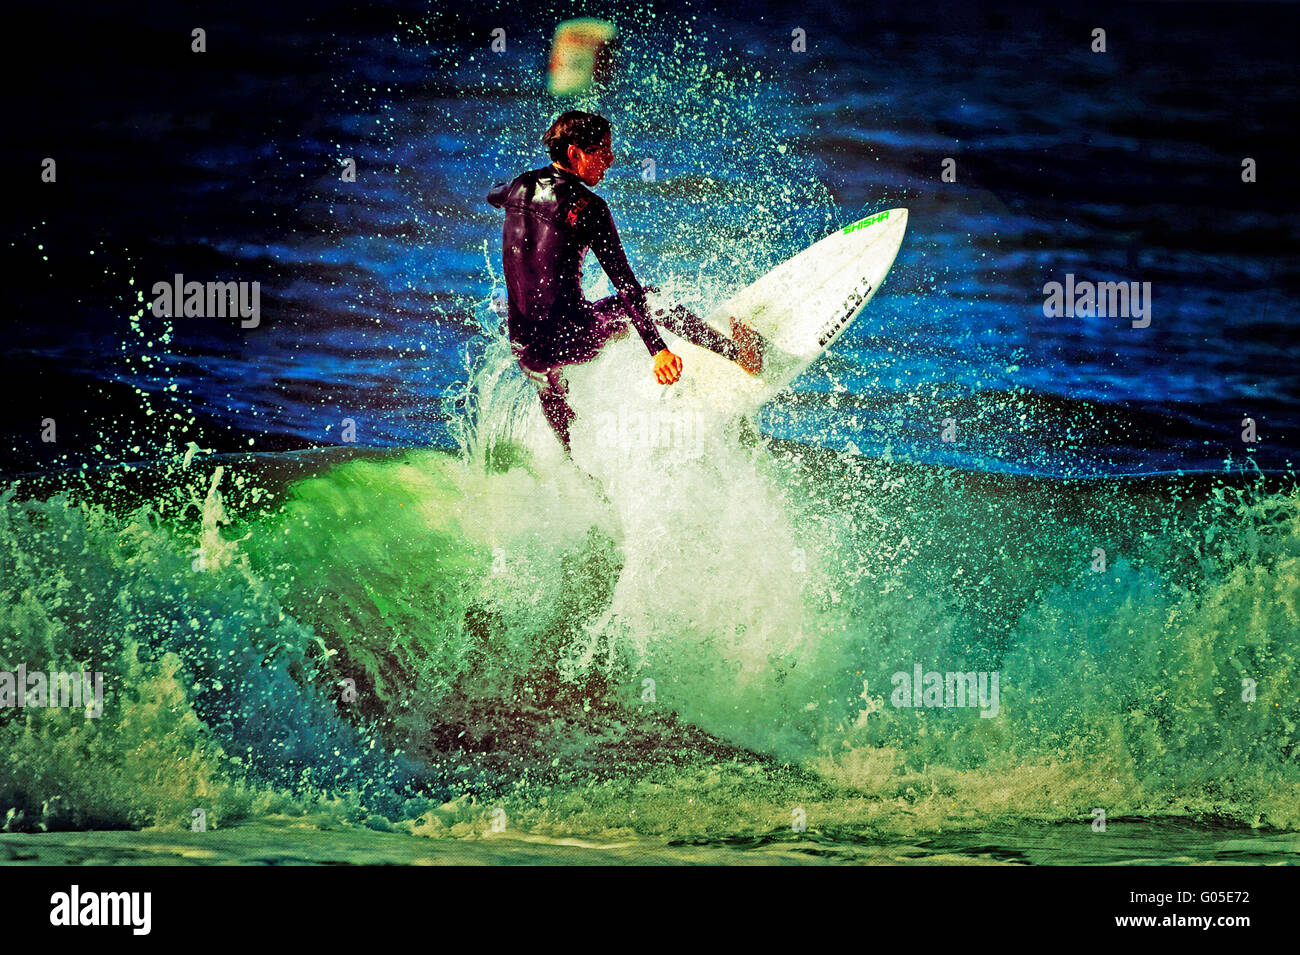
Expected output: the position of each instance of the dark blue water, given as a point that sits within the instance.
(1122, 166)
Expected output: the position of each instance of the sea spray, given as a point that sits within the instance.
(204, 672)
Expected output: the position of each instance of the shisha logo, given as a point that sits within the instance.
(863, 223)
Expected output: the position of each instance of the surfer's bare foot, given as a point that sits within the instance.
(749, 346)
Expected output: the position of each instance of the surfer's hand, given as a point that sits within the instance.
(668, 367)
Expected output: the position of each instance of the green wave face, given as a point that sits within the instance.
(410, 639)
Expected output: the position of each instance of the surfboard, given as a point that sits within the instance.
(802, 308)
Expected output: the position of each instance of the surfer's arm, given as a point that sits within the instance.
(498, 194)
(609, 252)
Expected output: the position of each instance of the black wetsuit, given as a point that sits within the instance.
(552, 219)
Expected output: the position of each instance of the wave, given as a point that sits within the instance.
(392, 632)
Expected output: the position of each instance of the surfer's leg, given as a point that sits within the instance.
(552, 387)
(610, 321)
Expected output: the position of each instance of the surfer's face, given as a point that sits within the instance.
(591, 166)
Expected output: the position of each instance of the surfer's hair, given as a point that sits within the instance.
(575, 128)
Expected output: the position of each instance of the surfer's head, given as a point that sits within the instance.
(580, 142)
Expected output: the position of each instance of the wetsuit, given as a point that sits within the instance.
(552, 219)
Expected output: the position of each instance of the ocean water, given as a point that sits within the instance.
(442, 630)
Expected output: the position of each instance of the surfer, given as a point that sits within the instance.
(552, 219)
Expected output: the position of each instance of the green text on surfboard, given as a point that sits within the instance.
(863, 223)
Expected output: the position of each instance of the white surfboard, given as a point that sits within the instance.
(801, 307)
